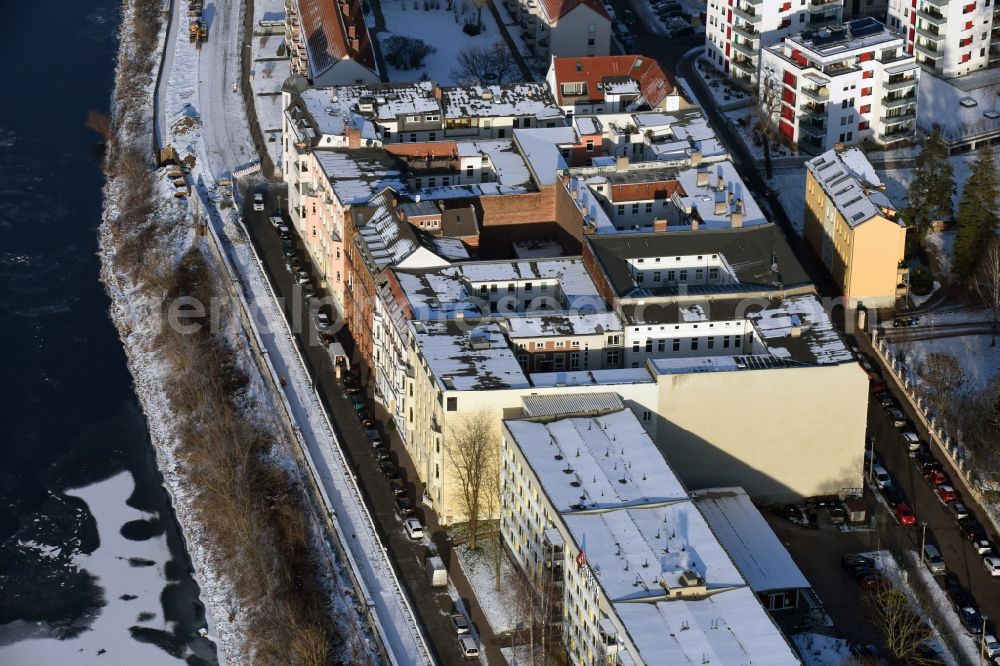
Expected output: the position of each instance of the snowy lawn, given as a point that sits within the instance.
(900, 579)
(268, 70)
(821, 650)
(980, 361)
(790, 186)
(742, 121)
(724, 93)
(941, 244)
(438, 27)
(500, 606)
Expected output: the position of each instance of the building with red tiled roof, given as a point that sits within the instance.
(611, 84)
(565, 28)
(329, 43)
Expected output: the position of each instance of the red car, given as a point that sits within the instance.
(947, 494)
(936, 478)
(904, 514)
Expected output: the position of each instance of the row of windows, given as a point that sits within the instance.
(675, 344)
(681, 275)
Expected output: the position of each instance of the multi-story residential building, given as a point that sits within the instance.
(611, 84)
(736, 32)
(948, 38)
(854, 228)
(841, 85)
(564, 28)
(858, 8)
(613, 545)
(328, 42)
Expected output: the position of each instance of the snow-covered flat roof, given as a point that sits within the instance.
(725, 628)
(722, 178)
(608, 458)
(625, 509)
(356, 175)
(592, 377)
(962, 112)
(509, 167)
(749, 540)
(468, 358)
(514, 99)
(849, 180)
(541, 326)
(540, 147)
(798, 328)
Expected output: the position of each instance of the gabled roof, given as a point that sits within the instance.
(556, 9)
(646, 72)
(335, 30)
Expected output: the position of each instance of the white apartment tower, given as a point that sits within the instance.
(842, 85)
(737, 30)
(949, 38)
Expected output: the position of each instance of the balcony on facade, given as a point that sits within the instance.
(812, 143)
(747, 12)
(812, 125)
(898, 117)
(822, 5)
(892, 55)
(746, 65)
(899, 133)
(931, 35)
(994, 53)
(899, 82)
(937, 3)
(897, 101)
(746, 31)
(822, 20)
(814, 110)
(746, 48)
(931, 15)
(816, 93)
(842, 67)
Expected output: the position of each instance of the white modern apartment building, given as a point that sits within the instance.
(624, 560)
(737, 30)
(841, 85)
(949, 38)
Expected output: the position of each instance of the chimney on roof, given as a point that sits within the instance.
(838, 147)
(395, 202)
(702, 179)
(356, 44)
(440, 205)
(621, 164)
(345, 7)
(437, 92)
(695, 158)
(694, 224)
(352, 31)
(353, 137)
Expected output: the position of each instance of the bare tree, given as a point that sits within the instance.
(491, 507)
(768, 107)
(944, 381)
(479, 65)
(903, 629)
(987, 285)
(472, 452)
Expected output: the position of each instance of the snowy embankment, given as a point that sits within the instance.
(133, 114)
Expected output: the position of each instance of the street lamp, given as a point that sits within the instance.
(923, 539)
(982, 638)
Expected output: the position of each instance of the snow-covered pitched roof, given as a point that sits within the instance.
(849, 180)
(749, 540)
(356, 175)
(722, 179)
(467, 357)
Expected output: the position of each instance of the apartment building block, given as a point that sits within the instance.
(841, 85)
(608, 536)
(611, 84)
(564, 28)
(949, 38)
(855, 229)
(736, 31)
(328, 42)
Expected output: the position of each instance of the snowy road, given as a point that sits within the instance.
(199, 85)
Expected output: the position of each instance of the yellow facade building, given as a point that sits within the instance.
(854, 228)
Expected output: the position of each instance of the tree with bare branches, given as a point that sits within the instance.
(485, 65)
(987, 284)
(768, 108)
(943, 381)
(902, 627)
(472, 451)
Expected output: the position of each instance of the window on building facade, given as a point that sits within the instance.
(452, 404)
(676, 344)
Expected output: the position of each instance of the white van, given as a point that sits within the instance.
(882, 478)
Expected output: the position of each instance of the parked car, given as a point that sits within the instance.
(910, 439)
(990, 646)
(851, 560)
(992, 565)
(323, 321)
(932, 558)
(893, 495)
(276, 221)
(460, 623)
(358, 402)
(882, 478)
(896, 416)
(946, 493)
(374, 437)
(294, 264)
(308, 290)
(936, 478)
(365, 418)
(387, 468)
(283, 231)
(381, 453)
(404, 505)
(413, 528)
(904, 514)
(959, 596)
(905, 322)
(258, 202)
(927, 462)
(397, 486)
(970, 617)
(885, 400)
(301, 277)
(974, 533)
(467, 644)
(288, 248)
(958, 511)
(351, 385)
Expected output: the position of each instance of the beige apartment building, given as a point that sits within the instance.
(854, 228)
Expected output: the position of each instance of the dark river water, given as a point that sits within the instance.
(92, 566)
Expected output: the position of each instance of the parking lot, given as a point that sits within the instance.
(433, 605)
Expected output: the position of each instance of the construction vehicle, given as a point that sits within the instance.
(198, 33)
(195, 8)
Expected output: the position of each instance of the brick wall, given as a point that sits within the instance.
(593, 266)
